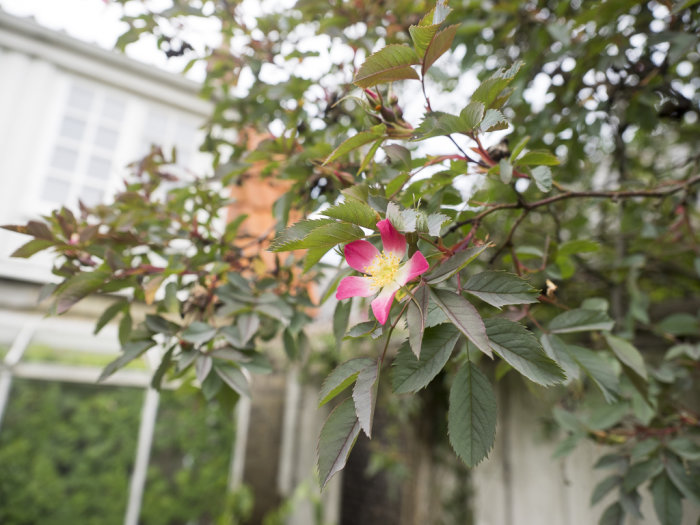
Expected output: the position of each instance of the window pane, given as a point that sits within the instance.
(81, 98)
(99, 168)
(91, 196)
(64, 158)
(106, 138)
(66, 453)
(55, 190)
(113, 108)
(72, 128)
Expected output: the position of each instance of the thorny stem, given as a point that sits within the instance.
(391, 330)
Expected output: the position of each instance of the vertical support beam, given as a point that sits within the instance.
(14, 354)
(235, 478)
(143, 450)
(288, 456)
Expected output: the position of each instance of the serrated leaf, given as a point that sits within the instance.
(234, 378)
(199, 333)
(436, 124)
(464, 316)
(606, 416)
(688, 485)
(356, 141)
(130, 351)
(398, 155)
(32, 247)
(627, 354)
(341, 378)
(416, 316)
(454, 264)
(439, 44)
(520, 349)
(410, 374)
(493, 120)
(640, 472)
(604, 487)
(489, 90)
(364, 396)
(593, 365)
(291, 237)
(430, 224)
(518, 148)
(580, 320)
(471, 116)
(538, 158)
(78, 287)
(421, 35)
(543, 178)
(387, 65)
(337, 438)
(685, 448)
(667, 501)
(501, 288)
(354, 212)
(471, 416)
(328, 235)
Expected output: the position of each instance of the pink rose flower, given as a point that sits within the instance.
(385, 273)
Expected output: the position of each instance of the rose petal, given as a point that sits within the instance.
(354, 286)
(359, 254)
(381, 306)
(393, 241)
(411, 269)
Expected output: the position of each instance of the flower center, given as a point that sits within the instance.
(383, 269)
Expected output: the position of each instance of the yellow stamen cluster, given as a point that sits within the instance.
(383, 269)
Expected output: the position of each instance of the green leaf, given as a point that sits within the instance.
(471, 416)
(580, 320)
(471, 116)
(543, 178)
(78, 287)
(685, 448)
(436, 124)
(110, 312)
(613, 515)
(354, 212)
(577, 246)
(199, 333)
(538, 158)
(163, 367)
(464, 316)
(628, 354)
(454, 264)
(606, 416)
(234, 378)
(202, 367)
(667, 501)
(640, 472)
(328, 235)
(341, 319)
(505, 170)
(604, 487)
(248, 325)
(398, 155)
(679, 324)
(32, 247)
(356, 141)
(364, 395)
(439, 44)
(290, 238)
(410, 374)
(593, 364)
(421, 35)
(130, 351)
(489, 90)
(518, 149)
(493, 120)
(430, 224)
(501, 288)
(387, 65)
(342, 377)
(337, 438)
(416, 316)
(520, 349)
(689, 485)
(160, 325)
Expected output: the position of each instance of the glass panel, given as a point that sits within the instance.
(99, 168)
(81, 97)
(190, 461)
(55, 190)
(64, 158)
(113, 108)
(91, 196)
(106, 138)
(67, 452)
(72, 128)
